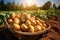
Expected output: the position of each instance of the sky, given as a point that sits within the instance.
(31, 2)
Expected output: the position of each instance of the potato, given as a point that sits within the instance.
(28, 22)
(16, 20)
(13, 15)
(31, 28)
(18, 15)
(39, 28)
(44, 25)
(43, 28)
(23, 19)
(24, 27)
(38, 22)
(28, 16)
(10, 20)
(16, 26)
(33, 20)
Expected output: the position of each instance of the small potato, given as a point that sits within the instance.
(16, 20)
(13, 15)
(23, 19)
(18, 16)
(38, 22)
(33, 20)
(16, 27)
(44, 25)
(28, 16)
(28, 22)
(24, 27)
(31, 28)
(10, 20)
(43, 28)
(39, 28)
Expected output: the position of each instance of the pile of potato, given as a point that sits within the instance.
(25, 22)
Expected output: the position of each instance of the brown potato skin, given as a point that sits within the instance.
(31, 28)
(13, 15)
(22, 19)
(16, 27)
(10, 20)
(26, 23)
(24, 27)
(16, 20)
(18, 16)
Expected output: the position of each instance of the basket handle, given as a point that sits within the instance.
(2, 17)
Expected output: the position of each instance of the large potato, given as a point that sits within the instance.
(31, 28)
(39, 28)
(16, 26)
(24, 27)
(16, 20)
(28, 22)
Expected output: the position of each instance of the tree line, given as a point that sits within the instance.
(12, 6)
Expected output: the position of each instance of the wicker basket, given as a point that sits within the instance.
(26, 35)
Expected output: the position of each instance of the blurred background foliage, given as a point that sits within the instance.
(12, 6)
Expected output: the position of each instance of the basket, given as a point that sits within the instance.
(25, 35)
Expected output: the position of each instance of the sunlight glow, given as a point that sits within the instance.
(29, 2)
